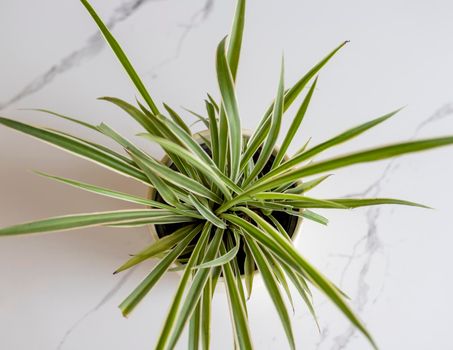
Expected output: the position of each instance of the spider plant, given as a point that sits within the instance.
(222, 201)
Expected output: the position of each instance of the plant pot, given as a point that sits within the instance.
(291, 223)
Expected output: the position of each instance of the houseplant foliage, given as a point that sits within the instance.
(224, 197)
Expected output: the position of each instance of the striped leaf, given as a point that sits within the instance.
(129, 304)
(364, 202)
(304, 202)
(179, 314)
(371, 155)
(159, 246)
(290, 95)
(70, 222)
(213, 132)
(271, 139)
(78, 148)
(120, 195)
(206, 212)
(343, 137)
(249, 270)
(307, 185)
(223, 259)
(121, 57)
(134, 112)
(272, 287)
(210, 170)
(206, 314)
(238, 313)
(234, 46)
(227, 90)
(177, 119)
(295, 125)
(275, 242)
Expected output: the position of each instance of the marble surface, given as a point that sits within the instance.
(57, 291)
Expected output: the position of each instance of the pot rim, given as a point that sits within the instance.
(199, 137)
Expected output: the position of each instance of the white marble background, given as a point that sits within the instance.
(57, 291)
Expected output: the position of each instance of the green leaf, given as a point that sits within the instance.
(271, 139)
(121, 57)
(193, 295)
(55, 114)
(216, 271)
(280, 275)
(134, 112)
(297, 88)
(206, 314)
(226, 85)
(128, 305)
(157, 172)
(249, 270)
(154, 125)
(177, 119)
(212, 173)
(303, 148)
(206, 212)
(343, 137)
(78, 148)
(295, 125)
(371, 155)
(234, 46)
(163, 219)
(69, 222)
(237, 310)
(174, 313)
(194, 328)
(213, 132)
(206, 142)
(268, 207)
(207, 168)
(279, 227)
(103, 149)
(199, 117)
(160, 246)
(280, 247)
(311, 215)
(308, 185)
(303, 202)
(119, 195)
(272, 286)
(180, 180)
(237, 274)
(298, 281)
(223, 141)
(189, 142)
(363, 202)
(290, 95)
(303, 290)
(223, 259)
(216, 106)
(167, 194)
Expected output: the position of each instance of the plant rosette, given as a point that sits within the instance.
(291, 224)
(227, 201)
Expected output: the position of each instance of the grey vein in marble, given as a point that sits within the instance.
(197, 19)
(92, 48)
(105, 299)
(372, 245)
(96, 43)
